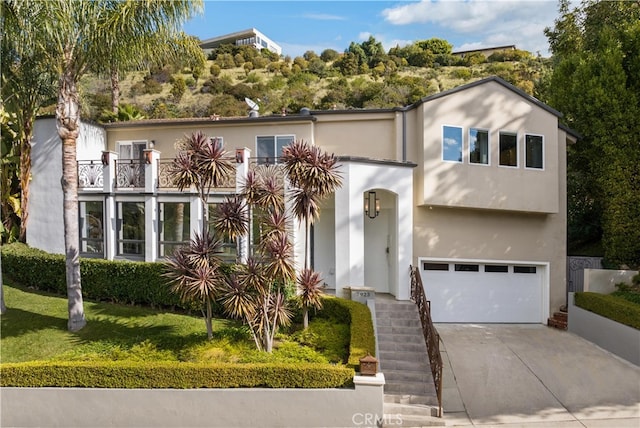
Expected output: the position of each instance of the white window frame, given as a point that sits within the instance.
(131, 143)
(462, 145)
(120, 229)
(526, 153)
(517, 135)
(488, 131)
(275, 137)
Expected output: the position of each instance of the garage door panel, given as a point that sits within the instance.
(462, 296)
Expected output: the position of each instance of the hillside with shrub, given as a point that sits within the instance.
(364, 76)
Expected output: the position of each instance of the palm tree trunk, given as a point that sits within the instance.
(25, 178)
(3, 308)
(68, 118)
(208, 320)
(115, 90)
(305, 317)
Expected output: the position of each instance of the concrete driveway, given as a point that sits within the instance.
(526, 375)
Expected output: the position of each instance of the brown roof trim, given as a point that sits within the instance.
(388, 162)
(210, 121)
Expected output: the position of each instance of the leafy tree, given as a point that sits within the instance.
(178, 89)
(329, 55)
(126, 112)
(71, 38)
(595, 82)
(435, 45)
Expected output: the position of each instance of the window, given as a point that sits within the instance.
(92, 229)
(269, 148)
(131, 229)
(534, 151)
(479, 146)
(435, 266)
(496, 268)
(467, 268)
(218, 141)
(524, 269)
(229, 247)
(452, 143)
(175, 227)
(508, 149)
(131, 149)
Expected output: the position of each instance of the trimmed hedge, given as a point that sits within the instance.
(612, 307)
(117, 281)
(358, 316)
(174, 375)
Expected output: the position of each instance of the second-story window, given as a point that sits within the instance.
(269, 148)
(452, 143)
(479, 146)
(534, 150)
(131, 150)
(508, 149)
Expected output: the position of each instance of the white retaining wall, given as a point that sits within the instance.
(619, 339)
(257, 407)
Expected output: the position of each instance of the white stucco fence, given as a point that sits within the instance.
(604, 280)
(257, 407)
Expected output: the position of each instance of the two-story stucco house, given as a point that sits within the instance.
(469, 185)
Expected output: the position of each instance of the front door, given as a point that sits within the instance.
(377, 251)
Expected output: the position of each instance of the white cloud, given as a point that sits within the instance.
(489, 22)
(450, 142)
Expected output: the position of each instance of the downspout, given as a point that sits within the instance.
(404, 134)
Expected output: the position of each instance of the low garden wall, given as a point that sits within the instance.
(231, 407)
(604, 280)
(613, 336)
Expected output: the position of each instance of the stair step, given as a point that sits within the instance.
(412, 388)
(394, 322)
(401, 337)
(393, 376)
(402, 347)
(410, 409)
(415, 330)
(411, 399)
(560, 316)
(400, 420)
(555, 323)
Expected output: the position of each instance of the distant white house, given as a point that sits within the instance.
(485, 51)
(250, 37)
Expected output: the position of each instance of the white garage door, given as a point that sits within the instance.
(484, 292)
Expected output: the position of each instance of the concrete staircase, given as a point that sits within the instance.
(410, 398)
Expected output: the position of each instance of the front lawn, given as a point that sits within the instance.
(34, 328)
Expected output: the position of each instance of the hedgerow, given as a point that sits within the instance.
(174, 375)
(612, 307)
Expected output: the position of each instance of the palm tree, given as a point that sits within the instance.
(71, 38)
(195, 273)
(313, 175)
(26, 87)
(257, 293)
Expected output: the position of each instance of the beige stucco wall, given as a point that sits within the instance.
(493, 107)
(235, 135)
(373, 135)
(461, 233)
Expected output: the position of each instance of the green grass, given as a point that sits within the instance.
(34, 328)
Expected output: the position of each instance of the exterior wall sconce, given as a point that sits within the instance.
(152, 144)
(371, 205)
(105, 158)
(239, 156)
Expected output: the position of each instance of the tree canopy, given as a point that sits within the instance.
(596, 83)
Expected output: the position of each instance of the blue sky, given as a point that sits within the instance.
(302, 25)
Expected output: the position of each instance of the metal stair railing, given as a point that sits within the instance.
(431, 336)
